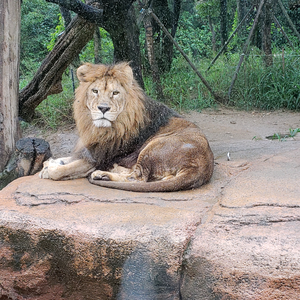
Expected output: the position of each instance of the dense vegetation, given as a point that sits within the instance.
(257, 86)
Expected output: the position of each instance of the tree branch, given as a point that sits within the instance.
(47, 79)
(89, 13)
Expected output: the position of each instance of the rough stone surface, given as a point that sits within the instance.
(71, 232)
(249, 248)
(236, 238)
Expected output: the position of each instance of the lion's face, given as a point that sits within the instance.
(109, 105)
(106, 100)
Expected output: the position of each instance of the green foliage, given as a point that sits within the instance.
(107, 49)
(282, 137)
(38, 19)
(60, 27)
(208, 8)
(193, 36)
(256, 87)
(183, 89)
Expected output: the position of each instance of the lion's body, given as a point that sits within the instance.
(128, 141)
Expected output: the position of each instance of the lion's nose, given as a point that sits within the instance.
(103, 109)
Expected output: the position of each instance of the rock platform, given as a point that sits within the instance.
(237, 237)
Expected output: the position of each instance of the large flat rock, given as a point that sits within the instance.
(234, 238)
(93, 242)
(249, 248)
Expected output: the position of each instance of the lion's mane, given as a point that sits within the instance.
(140, 119)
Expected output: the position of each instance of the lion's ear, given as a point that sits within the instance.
(129, 73)
(124, 72)
(89, 72)
(82, 71)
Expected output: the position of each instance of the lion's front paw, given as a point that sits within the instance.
(49, 166)
(44, 172)
(100, 175)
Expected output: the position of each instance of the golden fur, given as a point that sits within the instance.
(127, 140)
(127, 124)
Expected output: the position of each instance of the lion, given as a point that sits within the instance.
(127, 140)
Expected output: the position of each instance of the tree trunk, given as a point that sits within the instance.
(27, 159)
(266, 40)
(48, 78)
(97, 46)
(176, 14)
(241, 11)
(213, 34)
(66, 15)
(163, 45)
(124, 33)
(223, 21)
(9, 77)
(151, 57)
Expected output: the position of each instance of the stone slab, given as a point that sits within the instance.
(249, 248)
(130, 245)
(234, 238)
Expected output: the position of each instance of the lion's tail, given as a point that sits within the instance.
(170, 185)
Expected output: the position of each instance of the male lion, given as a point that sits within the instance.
(129, 141)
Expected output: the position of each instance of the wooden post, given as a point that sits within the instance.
(9, 77)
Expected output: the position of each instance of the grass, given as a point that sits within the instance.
(256, 87)
(275, 87)
(281, 137)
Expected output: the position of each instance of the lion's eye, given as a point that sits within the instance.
(116, 93)
(95, 91)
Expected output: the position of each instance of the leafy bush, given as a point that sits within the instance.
(193, 36)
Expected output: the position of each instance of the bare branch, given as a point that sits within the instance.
(88, 12)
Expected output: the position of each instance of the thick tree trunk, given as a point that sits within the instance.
(267, 42)
(223, 21)
(118, 18)
(9, 77)
(97, 46)
(27, 159)
(213, 34)
(124, 33)
(151, 58)
(48, 78)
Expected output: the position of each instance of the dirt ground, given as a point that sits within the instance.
(219, 125)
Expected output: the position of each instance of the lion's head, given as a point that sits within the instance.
(109, 103)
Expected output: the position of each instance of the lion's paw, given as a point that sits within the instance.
(44, 173)
(49, 165)
(100, 175)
